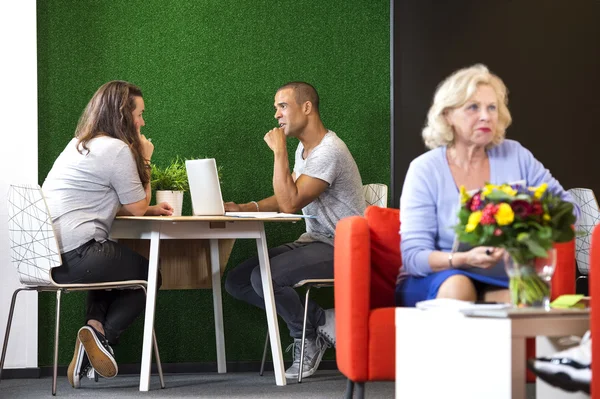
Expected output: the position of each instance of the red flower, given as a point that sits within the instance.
(487, 216)
(498, 232)
(521, 208)
(537, 208)
(475, 202)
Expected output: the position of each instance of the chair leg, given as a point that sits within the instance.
(158, 364)
(360, 390)
(55, 368)
(8, 324)
(262, 364)
(303, 334)
(349, 389)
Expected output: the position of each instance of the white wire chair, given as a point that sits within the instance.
(375, 194)
(589, 218)
(34, 252)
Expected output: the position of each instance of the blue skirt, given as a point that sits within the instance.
(415, 289)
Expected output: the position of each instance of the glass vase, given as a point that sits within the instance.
(530, 282)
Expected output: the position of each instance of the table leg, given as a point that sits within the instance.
(218, 305)
(519, 389)
(267, 284)
(150, 308)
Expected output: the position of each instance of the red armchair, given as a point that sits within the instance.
(595, 311)
(366, 261)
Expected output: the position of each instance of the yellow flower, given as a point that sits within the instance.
(505, 215)
(539, 191)
(508, 190)
(464, 196)
(487, 190)
(473, 221)
(547, 217)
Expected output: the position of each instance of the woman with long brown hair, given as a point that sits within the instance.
(103, 172)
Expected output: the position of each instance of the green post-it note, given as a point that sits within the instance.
(567, 301)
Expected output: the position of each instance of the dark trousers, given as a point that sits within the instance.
(96, 262)
(290, 263)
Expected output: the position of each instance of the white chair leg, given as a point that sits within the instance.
(303, 334)
(8, 325)
(158, 364)
(264, 358)
(55, 369)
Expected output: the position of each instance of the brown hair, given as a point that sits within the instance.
(109, 113)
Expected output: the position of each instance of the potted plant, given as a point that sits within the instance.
(170, 183)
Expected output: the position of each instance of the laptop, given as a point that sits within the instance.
(205, 188)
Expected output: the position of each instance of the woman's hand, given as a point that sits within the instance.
(147, 147)
(162, 209)
(484, 257)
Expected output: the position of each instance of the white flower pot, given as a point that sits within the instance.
(173, 198)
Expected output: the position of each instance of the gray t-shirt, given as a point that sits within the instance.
(85, 191)
(330, 161)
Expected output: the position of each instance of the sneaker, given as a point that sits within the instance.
(99, 352)
(313, 353)
(79, 366)
(327, 330)
(570, 370)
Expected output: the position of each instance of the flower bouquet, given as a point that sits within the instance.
(526, 222)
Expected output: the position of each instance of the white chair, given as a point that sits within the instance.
(375, 194)
(35, 251)
(590, 216)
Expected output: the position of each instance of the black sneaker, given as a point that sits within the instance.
(79, 366)
(99, 352)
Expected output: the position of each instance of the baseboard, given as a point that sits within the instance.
(29, 372)
(168, 368)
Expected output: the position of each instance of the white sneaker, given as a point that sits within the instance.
(570, 370)
(327, 330)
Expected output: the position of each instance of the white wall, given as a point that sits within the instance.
(18, 162)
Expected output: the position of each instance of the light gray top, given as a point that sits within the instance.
(85, 191)
(332, 162)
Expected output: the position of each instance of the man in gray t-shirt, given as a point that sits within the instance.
(325, 183)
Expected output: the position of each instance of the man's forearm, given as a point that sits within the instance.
(284, 186)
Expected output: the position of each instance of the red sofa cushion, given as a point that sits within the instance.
(384, 230)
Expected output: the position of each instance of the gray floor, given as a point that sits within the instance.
(324, 384)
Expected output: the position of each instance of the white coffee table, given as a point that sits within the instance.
(448, 354)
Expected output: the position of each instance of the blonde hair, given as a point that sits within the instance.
(454, 92)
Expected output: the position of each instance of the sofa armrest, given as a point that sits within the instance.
(352, 274)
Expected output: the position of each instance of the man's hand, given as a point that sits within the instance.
(232, 207)
(275, 139)
(162, 209)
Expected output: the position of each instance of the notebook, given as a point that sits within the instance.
(205, 188)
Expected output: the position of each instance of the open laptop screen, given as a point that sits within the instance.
(205, 188)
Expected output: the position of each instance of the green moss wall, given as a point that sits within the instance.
(208, 70)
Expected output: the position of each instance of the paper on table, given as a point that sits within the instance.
(257, 215)
(448, 304)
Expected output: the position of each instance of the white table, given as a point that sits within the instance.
(446, 354)
(212, 228)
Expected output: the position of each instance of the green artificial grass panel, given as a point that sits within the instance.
(209, 71)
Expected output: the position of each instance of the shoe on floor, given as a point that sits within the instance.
(327, 330)
(313, 353)
(79, 366)
(570, 370)
(99, 352)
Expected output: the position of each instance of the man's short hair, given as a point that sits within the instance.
(303, 92)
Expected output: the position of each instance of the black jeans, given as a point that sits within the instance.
(96, 262)
(290, 263)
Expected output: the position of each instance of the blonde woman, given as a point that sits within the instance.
(101, 173)
(465, 132)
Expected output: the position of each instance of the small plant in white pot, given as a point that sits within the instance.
(170, 183)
